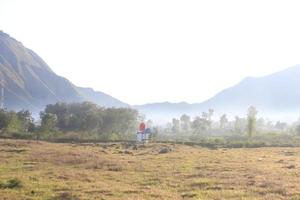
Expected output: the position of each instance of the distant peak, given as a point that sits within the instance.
(247, 79)
(3, 34)
(7, 36)
(293, 68)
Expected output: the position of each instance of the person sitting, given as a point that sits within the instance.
(140, 133)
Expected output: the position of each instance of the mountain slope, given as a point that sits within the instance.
(101, 98)
(29, 82)
(272, 95)
(278, 92)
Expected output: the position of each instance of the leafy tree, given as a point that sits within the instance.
(223, 121)
(298, 129)
(88, 117)
(205, 115)
(75, 116)
(75, 122)
(239, 124)
(3, 119)
(206, 118)
(10, 121)
(185, 122)
(210, 113)
(175, 125)
(49, 121)
(201, 125)
(281, 125)
(60, 110)
(92, 121)
(120, 120)
(252, 112)
(14, 124)
(26, 120)
(168, 128)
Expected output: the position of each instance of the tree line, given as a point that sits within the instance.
(88, 121)
(61, 118)
(204, 126)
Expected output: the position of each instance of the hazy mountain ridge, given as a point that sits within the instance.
(101, 98)
(31, 84)
(273, 94)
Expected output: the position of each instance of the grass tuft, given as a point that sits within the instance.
(11, 184)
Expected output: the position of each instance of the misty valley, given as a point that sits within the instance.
(135, 134)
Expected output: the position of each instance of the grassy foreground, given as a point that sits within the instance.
(41, 170)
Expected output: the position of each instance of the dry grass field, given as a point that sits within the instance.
(51, 171)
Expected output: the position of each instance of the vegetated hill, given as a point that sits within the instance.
(30, 84)
(274, 95)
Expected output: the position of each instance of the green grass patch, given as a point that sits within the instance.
(11, 184)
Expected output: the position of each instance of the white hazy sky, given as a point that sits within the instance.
(150, 51)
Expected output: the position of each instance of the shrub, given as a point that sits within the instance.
(11, 184)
